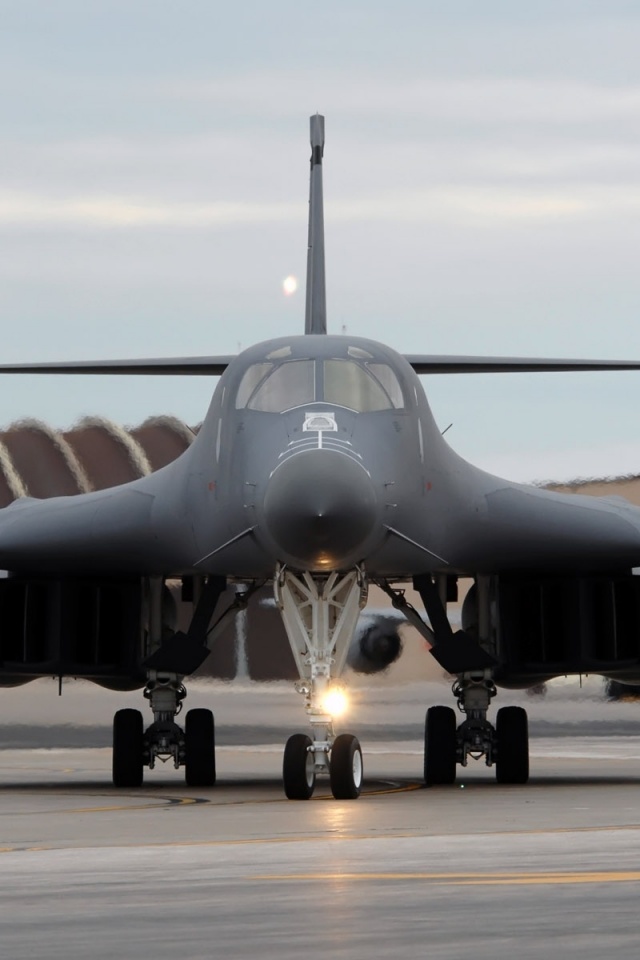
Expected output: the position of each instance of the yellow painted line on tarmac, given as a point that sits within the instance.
(212, 802)
(251, 841)
(406, 788)
(239, 842)
(384, 791)
(544, 831)
(132, 808)
(570, 878)
(29, 849)
(393, 787)
(471, 879)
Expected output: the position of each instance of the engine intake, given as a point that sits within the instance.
(376, 645)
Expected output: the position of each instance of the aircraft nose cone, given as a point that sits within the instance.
(319, 508)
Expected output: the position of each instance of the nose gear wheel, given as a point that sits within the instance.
(345, 767)
(299, 767)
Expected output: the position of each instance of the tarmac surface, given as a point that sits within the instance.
(238, 871)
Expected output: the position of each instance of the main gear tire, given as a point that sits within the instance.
(512, 745)
(128, 749)
(440, 746)
(200, 748)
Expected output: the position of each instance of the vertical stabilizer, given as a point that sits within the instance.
(315, 320)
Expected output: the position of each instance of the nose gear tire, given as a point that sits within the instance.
(298, 767)
(440, 746)
(128, 749)
(200, 748)
(512, 748)
(345, 767)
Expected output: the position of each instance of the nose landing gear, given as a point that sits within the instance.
(320, 615)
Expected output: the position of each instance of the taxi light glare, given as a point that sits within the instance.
(335, 702)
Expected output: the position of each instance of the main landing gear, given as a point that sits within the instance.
(505, 746)
(172, 656)
(320, 616)
(192, 748)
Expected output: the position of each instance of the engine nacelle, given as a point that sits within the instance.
(376, 644)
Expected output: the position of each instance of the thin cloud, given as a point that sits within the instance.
(117, 211)
(471, 100)
(455, 204)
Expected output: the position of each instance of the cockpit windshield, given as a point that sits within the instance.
(348, 384)
(272, 388)
(365, 387)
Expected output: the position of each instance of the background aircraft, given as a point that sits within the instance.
(319, 470)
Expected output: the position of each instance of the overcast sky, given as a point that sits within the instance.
(482, 181)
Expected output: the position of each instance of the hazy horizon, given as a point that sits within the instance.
(481, 180)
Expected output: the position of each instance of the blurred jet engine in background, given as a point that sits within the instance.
(376, 644)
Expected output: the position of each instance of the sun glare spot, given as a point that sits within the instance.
(289, 285)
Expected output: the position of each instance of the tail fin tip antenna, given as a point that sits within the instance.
(316, 300)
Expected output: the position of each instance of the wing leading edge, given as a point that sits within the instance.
(176, 366)
(421, 363)
(425, 363)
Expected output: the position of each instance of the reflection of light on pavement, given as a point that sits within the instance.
(339, 821)
(336, 820)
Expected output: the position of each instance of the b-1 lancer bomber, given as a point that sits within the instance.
(318, 471)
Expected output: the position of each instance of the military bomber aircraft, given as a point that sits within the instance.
(320, 470)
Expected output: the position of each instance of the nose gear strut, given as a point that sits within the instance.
(320, 615)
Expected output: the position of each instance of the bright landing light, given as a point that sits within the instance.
(289, 285)
(335, 701)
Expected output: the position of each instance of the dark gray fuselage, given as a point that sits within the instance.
(287, 474)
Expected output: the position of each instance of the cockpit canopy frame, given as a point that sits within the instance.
(359, 382)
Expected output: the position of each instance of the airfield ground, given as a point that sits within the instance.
(238, 871)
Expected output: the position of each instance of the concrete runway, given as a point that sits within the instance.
(236, 871)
